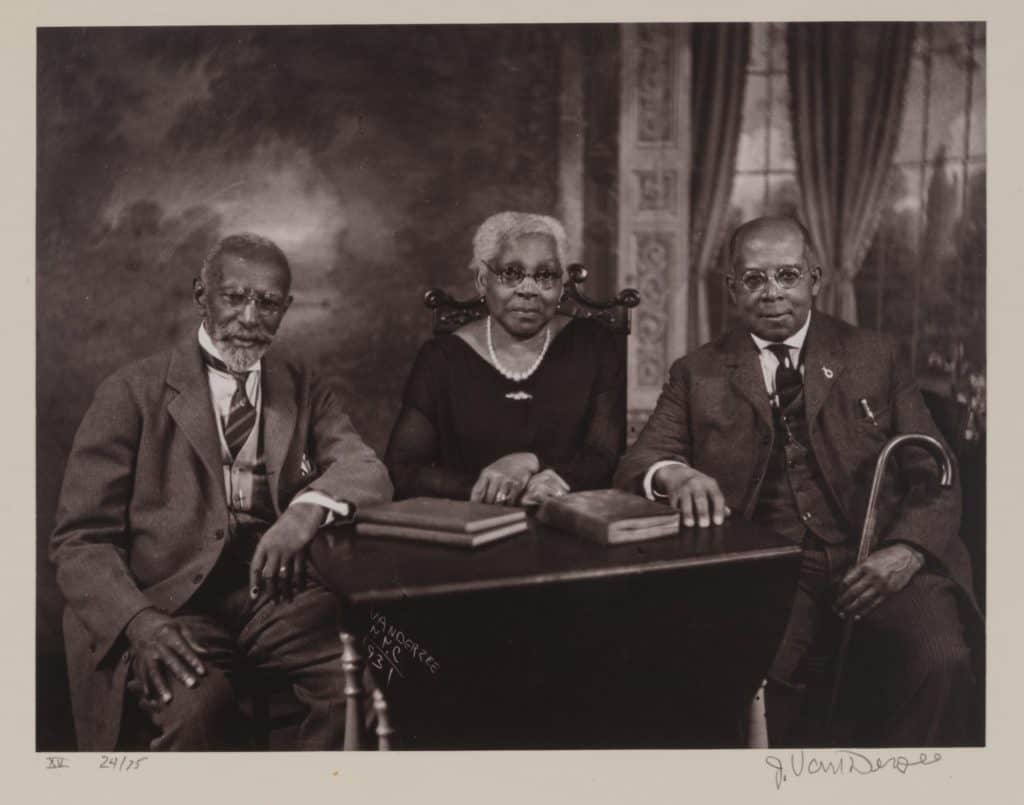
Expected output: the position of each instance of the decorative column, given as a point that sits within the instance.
(654, 213)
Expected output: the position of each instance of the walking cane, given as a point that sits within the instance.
(941, 455)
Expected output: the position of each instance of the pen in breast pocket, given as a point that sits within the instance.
(867, 411)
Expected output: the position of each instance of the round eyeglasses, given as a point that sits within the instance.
(267, 306)
(511, 275)
(786, 277)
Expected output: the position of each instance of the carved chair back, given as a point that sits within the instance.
(451, 313)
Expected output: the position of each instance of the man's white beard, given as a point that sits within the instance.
(239, 359)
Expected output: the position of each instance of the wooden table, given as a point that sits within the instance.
(546, 640)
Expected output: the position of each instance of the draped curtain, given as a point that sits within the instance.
(847, 86)
(720, 55)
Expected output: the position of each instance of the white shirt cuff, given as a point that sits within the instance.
(335, 508)
(649, 491)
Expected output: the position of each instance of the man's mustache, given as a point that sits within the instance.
(259, 336)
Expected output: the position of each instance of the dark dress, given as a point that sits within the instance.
(457, 416)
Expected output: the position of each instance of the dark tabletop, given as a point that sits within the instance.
(363, 569)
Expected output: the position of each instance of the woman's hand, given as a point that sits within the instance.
(504, 480)
(544, 484)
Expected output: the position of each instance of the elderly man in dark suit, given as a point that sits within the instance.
(196, 480)
(781, 421)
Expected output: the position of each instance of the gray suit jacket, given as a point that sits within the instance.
(143, 519)
(714, 414)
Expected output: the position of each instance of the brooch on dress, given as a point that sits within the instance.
(518, 395)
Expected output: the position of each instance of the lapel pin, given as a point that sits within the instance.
(518, 395)
(868, 413)
(827, 372)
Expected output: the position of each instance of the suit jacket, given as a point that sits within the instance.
(714, 414)
(143, 518)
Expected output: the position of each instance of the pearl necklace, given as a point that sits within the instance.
(516, 377)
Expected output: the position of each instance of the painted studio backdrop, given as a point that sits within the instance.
(371, 154)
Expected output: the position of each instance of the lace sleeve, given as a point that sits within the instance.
(411, 458)
(413, 452)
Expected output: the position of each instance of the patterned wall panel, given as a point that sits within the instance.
(657, 190)
(656, 84)
(654, 157)
(653, 256)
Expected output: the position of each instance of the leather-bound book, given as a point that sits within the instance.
(609, 516)
(459, 538)
(441, 514)
(452, 522)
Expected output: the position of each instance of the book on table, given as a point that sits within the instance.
(609, 516)
(452, 522)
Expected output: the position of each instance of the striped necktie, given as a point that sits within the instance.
(242, 414)
(788, 381)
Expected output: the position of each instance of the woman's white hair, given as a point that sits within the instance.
(504, 227)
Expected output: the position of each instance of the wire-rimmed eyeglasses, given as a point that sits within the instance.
(756, 279)
(511, 275)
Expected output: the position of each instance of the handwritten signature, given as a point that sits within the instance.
(388, 647)
(843, 762)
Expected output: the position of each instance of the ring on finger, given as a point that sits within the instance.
(282, 571)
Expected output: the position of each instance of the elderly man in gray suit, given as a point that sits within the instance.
(195, 482)
(781, 421)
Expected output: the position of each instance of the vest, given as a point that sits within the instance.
(249, 500)
(794, 497)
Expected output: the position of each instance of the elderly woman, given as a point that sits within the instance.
(521, 404)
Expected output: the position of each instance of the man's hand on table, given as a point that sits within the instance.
(693, 493)
(886, 571)
(278, 565)
(161, 644)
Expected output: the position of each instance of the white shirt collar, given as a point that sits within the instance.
(795, 341)
(207, 343)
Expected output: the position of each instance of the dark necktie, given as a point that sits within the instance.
(241, 415)
(788, 381)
